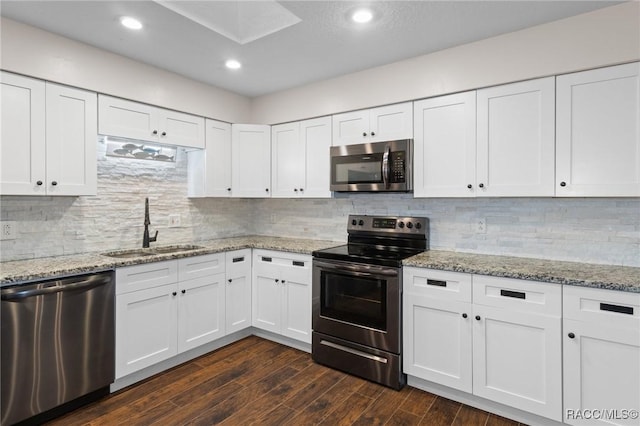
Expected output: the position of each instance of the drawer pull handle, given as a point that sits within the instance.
(238, 259)
(297, 263)
(514, 294)
(266, 259)
(438, 283)
(628, 310)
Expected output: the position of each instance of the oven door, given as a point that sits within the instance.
(358, 302)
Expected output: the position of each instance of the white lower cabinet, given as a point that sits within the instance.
(238, 291)
(282, 293)
(505, 346)
(601, 362)
(166, 308)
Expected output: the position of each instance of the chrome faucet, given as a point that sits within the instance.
(145, 238)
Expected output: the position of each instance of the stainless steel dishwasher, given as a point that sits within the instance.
(57, 345)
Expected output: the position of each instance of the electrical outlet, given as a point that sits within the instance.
(7, 230)
(481, 226)
(174, 221)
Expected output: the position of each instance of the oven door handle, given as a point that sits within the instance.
(360, 269)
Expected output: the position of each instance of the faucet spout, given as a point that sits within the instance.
(145, 236)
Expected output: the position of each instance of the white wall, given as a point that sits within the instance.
(604, 37)
(38, 53)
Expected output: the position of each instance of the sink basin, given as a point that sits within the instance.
(127, 254)
(173, 249)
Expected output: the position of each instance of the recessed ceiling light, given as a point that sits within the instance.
(362, 16)
(131, 23)
(233, 64)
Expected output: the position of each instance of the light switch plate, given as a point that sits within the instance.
(8, 230)
(174, 221)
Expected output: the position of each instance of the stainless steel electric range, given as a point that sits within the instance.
(357, 297)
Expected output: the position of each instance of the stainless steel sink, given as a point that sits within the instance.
(127, 254)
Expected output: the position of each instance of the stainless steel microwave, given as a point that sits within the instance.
(373, 167)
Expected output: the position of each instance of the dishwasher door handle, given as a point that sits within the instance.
(79, 285)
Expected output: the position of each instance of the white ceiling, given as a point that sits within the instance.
(324, 44)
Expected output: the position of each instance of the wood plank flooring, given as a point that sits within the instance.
(256, 381)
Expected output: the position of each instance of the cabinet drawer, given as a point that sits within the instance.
(615, 308)
(149, 275)
(238, 262)
(520, 295)
(283, 259)
(439, 284)
(200, 266)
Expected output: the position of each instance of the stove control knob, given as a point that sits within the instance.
(400, 225)
(409, 225)
(418, 225)
(361, 223)
(354, 222)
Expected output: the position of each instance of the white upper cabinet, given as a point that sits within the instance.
(209, 170)
(132, 120)
(445, 146)
(251, 160)
(300, 159)
(598, 132)
(516, 139)
(49, 137)
(384, 123)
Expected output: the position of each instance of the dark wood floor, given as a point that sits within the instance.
(261, 382)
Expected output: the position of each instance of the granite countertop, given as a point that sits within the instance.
(52, 267)
(622, 278)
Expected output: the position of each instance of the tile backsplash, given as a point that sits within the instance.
(594, 230)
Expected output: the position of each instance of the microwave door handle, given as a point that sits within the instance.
(385, 167)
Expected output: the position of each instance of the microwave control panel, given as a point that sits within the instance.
(397, 166)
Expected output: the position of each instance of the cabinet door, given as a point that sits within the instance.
(146, 328)
(72, 133)
(22, 152)
(201, 311)
(267, 295)
(251, 160)
(316, 137)
(178, 128)
(445, 146)
(448, 322)
(296, 304)
(238, 292)
(517, 360)
(598, 132)
(601, 372)
(209, 170)
(516, 148)
(351, 128)
(391, 122)
(127, 119)
(287, 160)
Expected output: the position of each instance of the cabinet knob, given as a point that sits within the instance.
(164, 133)
(481, 185)
(230, 280)
(464, 315)
(283, 281)
(155, 132)
(295, 189)
(267, 189)
(571, 335)
(373, 133)
(277, 280)
(563, 183)
(301, 189)
(184, 291)
(364, 134)
(39, 183)
(228, 189)
(174, 293)
(469, 186)
(54, 183)
(477, 317)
